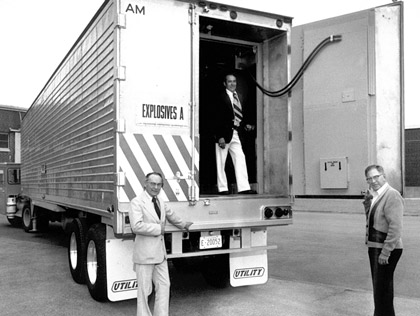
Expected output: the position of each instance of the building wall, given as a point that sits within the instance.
(10, 122)
(412, 154)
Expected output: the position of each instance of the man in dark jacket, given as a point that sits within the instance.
(231, 124)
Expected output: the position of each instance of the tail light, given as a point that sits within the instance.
(268, 213)
(276, 212)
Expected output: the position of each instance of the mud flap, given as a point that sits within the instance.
(121, 277)
(248, 268)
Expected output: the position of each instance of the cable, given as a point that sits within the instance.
(291, 84)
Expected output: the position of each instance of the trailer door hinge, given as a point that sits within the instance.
(121, 21)
(120, 179)
(120, 125)
(192, 16)
(119, 73)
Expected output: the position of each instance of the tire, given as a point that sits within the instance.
(27, 218)
(77, 250)
(215, 270)
(15, 221)
(42, 223)
(96, 262)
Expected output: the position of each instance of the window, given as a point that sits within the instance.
(4, 141)
(13, 176)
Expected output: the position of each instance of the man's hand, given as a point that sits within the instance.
(383, 259)
(249, 128)
(222, 143)
(187, 226)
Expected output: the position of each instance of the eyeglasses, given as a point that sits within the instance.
(374, 178)
(154, 184)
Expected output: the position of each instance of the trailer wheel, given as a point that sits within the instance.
(15, 221)
(96, 262)
(215, 270)
(77, 250)
(26, 218)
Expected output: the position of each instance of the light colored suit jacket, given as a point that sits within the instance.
(149, 244)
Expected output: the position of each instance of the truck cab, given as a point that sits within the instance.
(9, 190)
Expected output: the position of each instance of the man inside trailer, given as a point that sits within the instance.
(231, 125)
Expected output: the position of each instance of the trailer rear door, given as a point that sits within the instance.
(348, 107)
(155, 99)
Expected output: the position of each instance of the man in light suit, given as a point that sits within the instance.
(148, 214)
(230, 126)
(384, 209)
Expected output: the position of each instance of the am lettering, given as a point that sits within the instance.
(135, 9)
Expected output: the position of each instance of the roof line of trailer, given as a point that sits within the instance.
(214, 5)
(199, 3)
(72, 48)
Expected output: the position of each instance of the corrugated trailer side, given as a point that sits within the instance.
(68, 133)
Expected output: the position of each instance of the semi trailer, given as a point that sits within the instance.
(135, 94)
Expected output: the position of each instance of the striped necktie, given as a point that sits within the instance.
(237, 108)
(157, 209)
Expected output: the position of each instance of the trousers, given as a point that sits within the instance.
(234, 148)
(147, 276)
(383, 281)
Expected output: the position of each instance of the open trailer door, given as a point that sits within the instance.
(252, 45)
(348, 107)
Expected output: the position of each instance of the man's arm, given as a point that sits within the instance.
(174, 219)
(222, 118)
(393, 211)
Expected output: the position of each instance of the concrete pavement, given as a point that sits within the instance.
(287, 298)
(35, 279)
(284, 298)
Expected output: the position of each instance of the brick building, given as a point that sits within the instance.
(412, 162)
(10, 121)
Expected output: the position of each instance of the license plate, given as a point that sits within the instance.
(208, 242)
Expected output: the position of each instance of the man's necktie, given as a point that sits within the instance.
(157, 209)
(237, 108)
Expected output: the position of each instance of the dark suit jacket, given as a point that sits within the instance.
(224, 117)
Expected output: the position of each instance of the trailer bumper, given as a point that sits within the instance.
(248, 263)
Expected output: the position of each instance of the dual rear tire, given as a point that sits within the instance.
(77, 250)
(87, 257)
